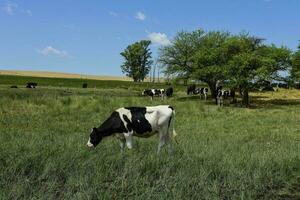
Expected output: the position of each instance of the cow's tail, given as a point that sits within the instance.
(173, 124)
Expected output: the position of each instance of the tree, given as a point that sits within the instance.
(295, 70)
(210, 58)
(197, 55)
(177, 57)
(240, 60)
(138, 61)
(253, 62)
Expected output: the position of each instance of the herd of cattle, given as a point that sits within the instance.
(221, 94)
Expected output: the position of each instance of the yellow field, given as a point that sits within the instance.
(61, 75)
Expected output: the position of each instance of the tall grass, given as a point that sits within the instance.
(222, 153)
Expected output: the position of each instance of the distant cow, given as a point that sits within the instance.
(223, 95)
(191, 89)
(31, 85)
(169, 92)
(126, 122)
(84, 85)
(154, 92)
(203, 93)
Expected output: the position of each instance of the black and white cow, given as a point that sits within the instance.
(154, 92)
(126, 122)
(203, 93)
(31, 85)
(223, 95)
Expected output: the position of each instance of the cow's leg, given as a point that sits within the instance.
(128, 138)
(161, 141)
(205, 96)
(220, 101)
(163, 138)
(169, 142)
(122, 144)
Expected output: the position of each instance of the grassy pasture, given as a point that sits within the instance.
(222, 153)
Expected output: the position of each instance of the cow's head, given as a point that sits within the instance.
(95, 138)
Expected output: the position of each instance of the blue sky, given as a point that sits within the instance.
(87, 36)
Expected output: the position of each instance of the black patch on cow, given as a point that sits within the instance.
(171, 107)
(129, 126)
(148, 92)
(112, 125)
(139, 124)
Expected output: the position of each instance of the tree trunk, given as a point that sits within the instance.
(245, 98)
(212, 87)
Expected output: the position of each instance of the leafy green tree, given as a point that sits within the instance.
(295, 70)
(210, 58)
(240, 60)
(138, 61)
(252, 61)
(196, 55)
(177, 57)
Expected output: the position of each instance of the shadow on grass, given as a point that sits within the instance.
(275, 102)
(257, 102)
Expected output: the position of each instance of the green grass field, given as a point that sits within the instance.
(222, 153)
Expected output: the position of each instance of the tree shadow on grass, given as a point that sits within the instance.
(276, 102)
(256, 102)
(188, 98)
(259, 97)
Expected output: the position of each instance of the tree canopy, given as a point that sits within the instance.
(138, 61)
(295, 71)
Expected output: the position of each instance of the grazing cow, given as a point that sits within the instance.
(154, 92)
(191, 89)
(169, 92)
(31, 85)
(84, 85)
(203, 92)
(223, 95)
(126, 122)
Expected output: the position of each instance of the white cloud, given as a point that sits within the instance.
(27, 11)
(140, 16)
(11, 8)
(112, 13)
(159, 38)
(49, 50)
